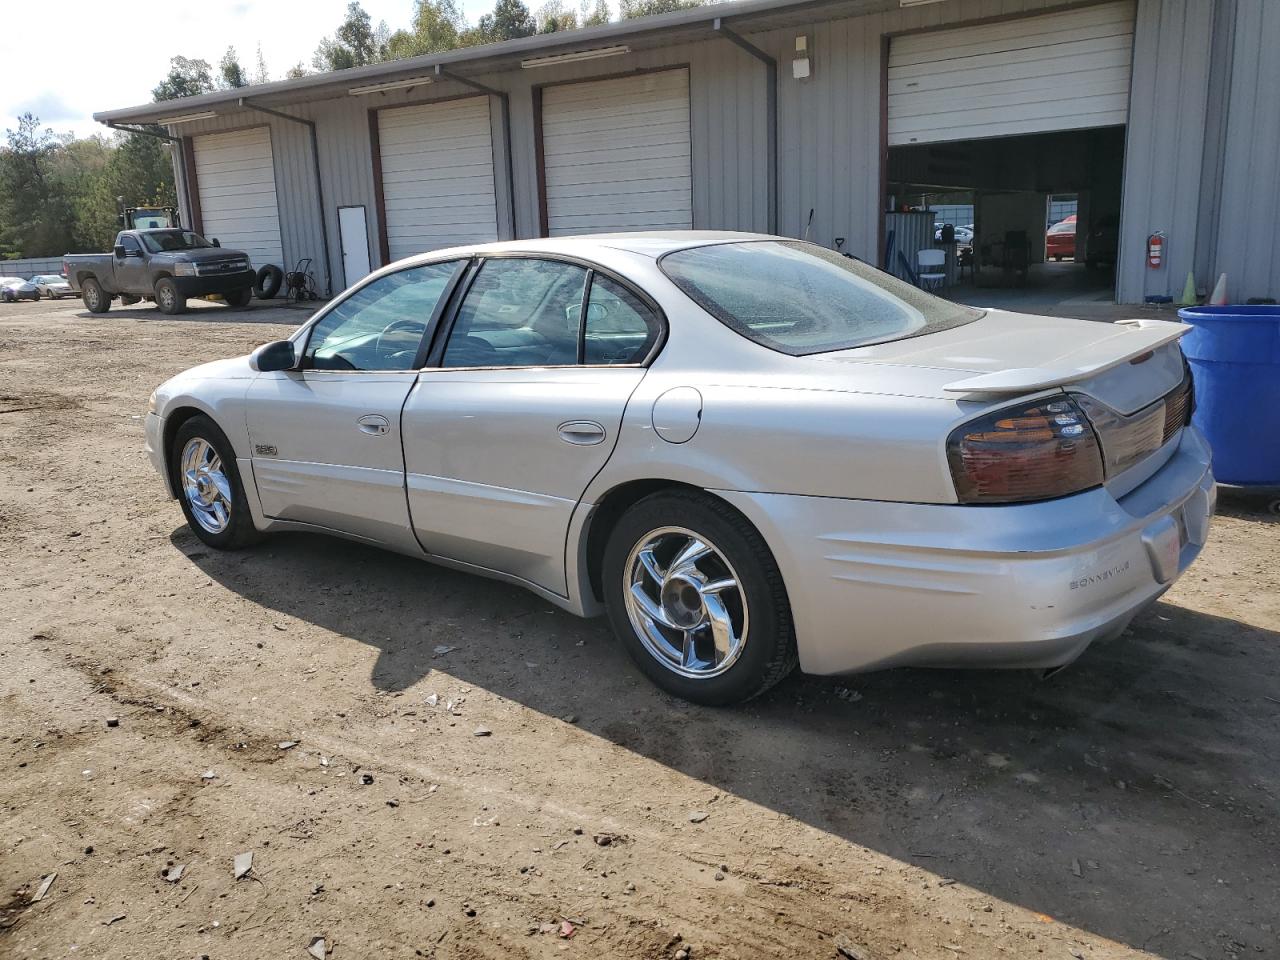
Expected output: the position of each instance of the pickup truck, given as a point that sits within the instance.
(166, 265)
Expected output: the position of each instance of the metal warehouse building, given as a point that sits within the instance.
(794, 117)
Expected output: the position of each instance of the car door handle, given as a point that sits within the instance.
(582, 433)
(373, 424)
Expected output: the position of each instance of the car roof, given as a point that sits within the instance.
(646, 243)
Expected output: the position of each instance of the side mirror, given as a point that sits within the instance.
(120, 251)
(216, 242)
(277, 355)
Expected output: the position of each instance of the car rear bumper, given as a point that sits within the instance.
(875, 584)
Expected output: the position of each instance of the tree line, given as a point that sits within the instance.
(62, 194)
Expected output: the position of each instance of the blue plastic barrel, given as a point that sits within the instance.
(1235, 355)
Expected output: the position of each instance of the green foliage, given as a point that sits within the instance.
(631, 9)
(233, 74)
(510, 19)
(187, 78)
(260, 74)
(354, 44)
(437, 25)
(596, 16)
(58, 194)
(553, 17)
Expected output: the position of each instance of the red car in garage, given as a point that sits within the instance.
(1060, 239)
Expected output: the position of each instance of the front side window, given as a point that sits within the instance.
(519, 312)
(799, 298)
(130, 245)
(381, 325)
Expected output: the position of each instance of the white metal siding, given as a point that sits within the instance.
(437, 175)
(617, 154)
(236, 176)
(1058, 71)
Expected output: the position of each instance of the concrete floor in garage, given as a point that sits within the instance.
(1125, 807)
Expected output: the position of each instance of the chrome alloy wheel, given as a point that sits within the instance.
(685, 602)
(205, 485)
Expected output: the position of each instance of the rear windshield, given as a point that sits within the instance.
(799, 298)
(166, 241)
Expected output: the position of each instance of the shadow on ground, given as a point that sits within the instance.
(270, 311)
(1132, 795)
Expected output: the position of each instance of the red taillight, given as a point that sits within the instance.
(1029, 452)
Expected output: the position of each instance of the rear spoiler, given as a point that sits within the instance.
(1132, 339)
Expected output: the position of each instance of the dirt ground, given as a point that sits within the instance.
(1126, 807)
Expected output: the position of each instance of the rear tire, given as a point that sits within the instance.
(94, 297)
(203, 466)
(239, 298)
(168, 299)
(742, 641)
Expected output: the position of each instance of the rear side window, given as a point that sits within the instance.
(799, 298)
(619, 327)
(519, 313)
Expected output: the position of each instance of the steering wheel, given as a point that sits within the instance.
(417, 326)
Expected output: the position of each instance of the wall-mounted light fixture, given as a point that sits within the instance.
(389, 85)
(802, 63)
(187, 118)
(574, 57)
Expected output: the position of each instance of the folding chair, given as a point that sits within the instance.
(929, 261)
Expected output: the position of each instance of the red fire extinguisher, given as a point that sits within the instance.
(1155, 250)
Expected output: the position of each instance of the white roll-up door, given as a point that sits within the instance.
(437, 175)
(1056, 71)
(237, 182)
(617, 154)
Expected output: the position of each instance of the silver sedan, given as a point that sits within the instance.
(749, 452)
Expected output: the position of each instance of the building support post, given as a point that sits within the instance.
(771, 104)
(315, 161)
(504, 100)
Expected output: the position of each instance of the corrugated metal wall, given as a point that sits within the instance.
(1164, 149)
(1248, 249)
(829, 130)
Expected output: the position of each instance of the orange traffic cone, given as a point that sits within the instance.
(1219, 296)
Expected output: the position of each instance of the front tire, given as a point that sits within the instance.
(168, 298)
(695, 597)
(203, 465)
(239, 298)
(95, 298)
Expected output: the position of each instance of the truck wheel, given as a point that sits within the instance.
(94, 297)
(267, 283)
(168, 299)
(239, 298)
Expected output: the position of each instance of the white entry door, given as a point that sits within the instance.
(354, 236)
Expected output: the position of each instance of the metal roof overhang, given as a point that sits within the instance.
(682, 26)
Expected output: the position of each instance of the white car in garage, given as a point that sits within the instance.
(748, 451)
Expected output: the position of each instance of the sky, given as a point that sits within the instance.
(93, 55)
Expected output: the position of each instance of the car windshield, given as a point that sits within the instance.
(167, 241)
(799, 298)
